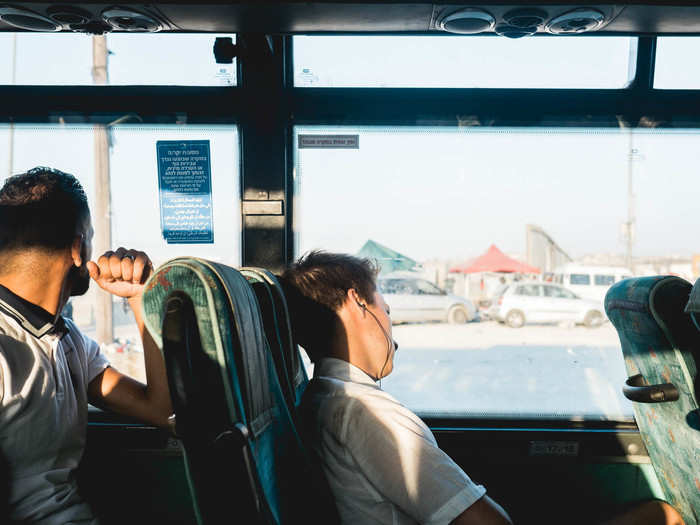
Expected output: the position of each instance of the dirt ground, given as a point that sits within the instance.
(487, 369)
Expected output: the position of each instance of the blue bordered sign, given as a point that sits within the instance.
(184, 184)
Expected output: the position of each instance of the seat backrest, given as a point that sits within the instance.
(244, 458)
(267, 310)
(660, 346)
(279, 315)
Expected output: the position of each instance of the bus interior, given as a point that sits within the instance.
(415, 133)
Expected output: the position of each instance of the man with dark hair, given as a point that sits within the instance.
(381, 461)
(48, 369)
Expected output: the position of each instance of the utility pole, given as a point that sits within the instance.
(102, 217)
(13, 80)
(631, 220)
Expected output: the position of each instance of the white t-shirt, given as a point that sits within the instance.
(45, 369)
(381, 461)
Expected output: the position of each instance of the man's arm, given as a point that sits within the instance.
(123, 273)
(483, 512)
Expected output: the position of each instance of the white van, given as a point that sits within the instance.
(589, 282)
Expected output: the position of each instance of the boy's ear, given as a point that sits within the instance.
(76, 250)
(355, 298)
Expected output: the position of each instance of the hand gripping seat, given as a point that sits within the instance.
(273, 306)
(661, 347)
(244, 460)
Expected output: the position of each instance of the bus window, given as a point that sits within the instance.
(672, 69)
(481, 62)
(603, 280)
(130, 211)
(427, 194)
(580, 279)
(132, 59)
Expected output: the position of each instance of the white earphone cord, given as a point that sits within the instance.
(388, 340)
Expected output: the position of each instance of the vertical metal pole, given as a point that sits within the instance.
(102, 217)
(13, 76)
(630, 200)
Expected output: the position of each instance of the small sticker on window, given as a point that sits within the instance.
(554, 448)
(329, 141)
(184, 184)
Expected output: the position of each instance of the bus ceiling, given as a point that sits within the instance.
(516, 19)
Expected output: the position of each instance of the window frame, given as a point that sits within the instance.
(499, 107)
(265, 87)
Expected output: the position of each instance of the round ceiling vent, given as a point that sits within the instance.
(25, 19)
(525, 17)
(467, 22)
(128, 20)
(68, 15)
(510, 31)
(576, 21)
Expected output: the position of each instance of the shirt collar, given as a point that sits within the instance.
(33, 318)
(339, 369)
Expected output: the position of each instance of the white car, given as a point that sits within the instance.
(522, 302)
(413, 299)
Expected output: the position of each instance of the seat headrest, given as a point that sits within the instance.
(230, 328)
(693, 306)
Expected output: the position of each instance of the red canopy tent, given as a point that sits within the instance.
(494, 260)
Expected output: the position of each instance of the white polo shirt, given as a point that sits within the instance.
(381, 461)
(45, 367)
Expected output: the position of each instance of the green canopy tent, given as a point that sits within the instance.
(388, 259)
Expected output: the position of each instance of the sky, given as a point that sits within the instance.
(427, 192)
(450, 193)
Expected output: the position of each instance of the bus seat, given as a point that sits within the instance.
(289, 350)
(244, 459)
(661, 347)
(267, 311)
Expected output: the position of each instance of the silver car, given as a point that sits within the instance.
(413, 299)
(537, 302)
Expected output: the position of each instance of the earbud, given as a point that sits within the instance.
(361, 305)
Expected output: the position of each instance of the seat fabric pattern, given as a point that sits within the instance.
(267, 310)
(290, 351)
(660, 342)
(233, 340)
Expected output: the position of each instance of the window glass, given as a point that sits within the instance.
(567, 294)
(603, 280)
(580, 279)
(553, 291)
(530, 290)
(134, 220)
(56, 59)
(462, 61)
(427, 193)
(426, 288)
(407, 286)
(398, 286)
(560, 293)
(673, 68)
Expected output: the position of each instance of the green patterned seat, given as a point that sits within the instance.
(661, 347)
(279, 332)
(244, 460)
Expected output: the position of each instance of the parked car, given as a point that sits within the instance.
(535, 302)
(412, 299)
